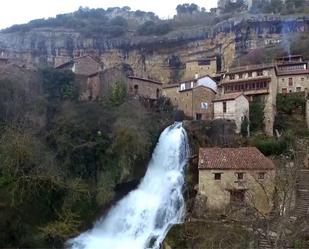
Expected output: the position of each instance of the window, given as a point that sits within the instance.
(302, 79)
(298, 89)
(203, 62)
(250, 74)
(284, 90)
(158, 93)
(135, 89)
(261, 175)
(224, 107)
(237, 197)
(198, 116)
(204, 105)
(290, 81)
(282, 80)
(240, 76)
(217, 176)
(259, 73)
(232, 77)
(240, 176)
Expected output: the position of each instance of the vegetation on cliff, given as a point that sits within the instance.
(61, 159)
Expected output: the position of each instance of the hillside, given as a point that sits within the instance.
(144, 42)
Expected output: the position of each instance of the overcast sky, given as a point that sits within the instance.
(22, 11)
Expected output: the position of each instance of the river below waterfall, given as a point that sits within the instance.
(142, 219)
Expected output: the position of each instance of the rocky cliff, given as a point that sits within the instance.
(153, 56)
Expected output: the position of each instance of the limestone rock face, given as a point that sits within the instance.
(151, 56)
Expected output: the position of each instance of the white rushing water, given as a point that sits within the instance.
(142, 219)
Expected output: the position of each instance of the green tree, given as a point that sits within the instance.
(186, 8)
(256, 116)
(118, 93)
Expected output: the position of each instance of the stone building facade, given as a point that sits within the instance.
(84, 65)
(236, 176)
(200, 67)
(143, 87)
(256, 81)
(292, 74)
(307, 113)
(232, 106)
(197, 103)
(193, 97)
(87, 70)
(89, 87)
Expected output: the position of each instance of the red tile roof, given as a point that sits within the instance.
(249, 68)
(171, 85)
(145, 80)
(228, 96)
(245, 158)
(291, 72)
(255, 79)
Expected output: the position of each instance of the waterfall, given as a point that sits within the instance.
(142, 219)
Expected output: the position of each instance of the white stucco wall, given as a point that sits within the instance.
(208, 82)
(235, 110)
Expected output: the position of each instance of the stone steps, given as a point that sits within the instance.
(302, 193)
(264, 244)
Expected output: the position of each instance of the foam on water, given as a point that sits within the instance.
(142, 218)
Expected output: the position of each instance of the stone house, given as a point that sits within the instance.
(83, 65)
(236, 176)
(89, 86)
(193, 97)
(87, 70)
(200, 67)
(307, 113)
(292, 74)
(256, 81)
(143, 87)
(232, 106)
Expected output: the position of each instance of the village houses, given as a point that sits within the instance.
(87, 70)
(147, 88)
(193, 97)
(292, 74)
(232, 106)
(257, 82)
(203, 66)
(225, 95)
(236, 176)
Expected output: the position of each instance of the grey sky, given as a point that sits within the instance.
(21, 11)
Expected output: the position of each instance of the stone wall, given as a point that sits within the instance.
(203, 95)
(270, 104)
(144, 88)
(236, 109)
(300, 83)
(259, 193)
(307, 112)
(190, 101)
(194, 68)
(185, 100)
(90, 87)
(86, 66)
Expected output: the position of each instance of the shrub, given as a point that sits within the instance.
(291, 102)
(152, 28)
(118, 93)
(270, 146)
(256, 116)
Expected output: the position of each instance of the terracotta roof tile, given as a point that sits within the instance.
(145, 80)
(245, 158)
(228, 96)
